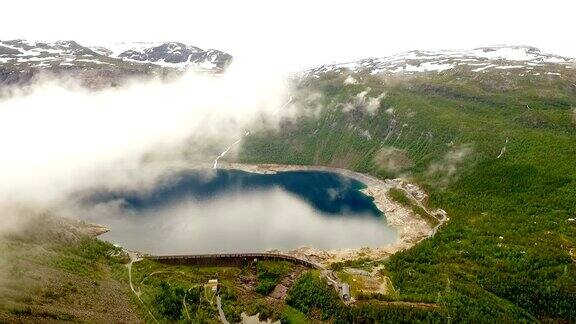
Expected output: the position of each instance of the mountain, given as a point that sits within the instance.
(507, 59)
(22, 60)
(490, 134)
(177, 55)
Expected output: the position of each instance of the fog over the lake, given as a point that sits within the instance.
(250, 221)
(57, 138)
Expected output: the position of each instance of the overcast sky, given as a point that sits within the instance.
(300, 33)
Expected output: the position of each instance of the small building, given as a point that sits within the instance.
(213, 285)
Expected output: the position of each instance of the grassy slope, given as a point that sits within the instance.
(51, 274)
(505, 252)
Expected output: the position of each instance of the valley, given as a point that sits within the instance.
(439, 185)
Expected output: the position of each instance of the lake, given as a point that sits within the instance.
(221, 211)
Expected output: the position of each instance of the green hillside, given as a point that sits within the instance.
(506, 253)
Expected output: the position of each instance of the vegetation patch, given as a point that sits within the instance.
(58, 274)
(270, 273)
(505, 254)
(312, 296)
(179, 293)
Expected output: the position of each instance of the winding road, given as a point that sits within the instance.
(135, 258)
(220, 311)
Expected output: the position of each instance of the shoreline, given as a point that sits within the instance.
(411, 228)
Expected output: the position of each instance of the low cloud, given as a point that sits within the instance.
(362, 101)
(350, 80)
(392, 159)
(447, 168)
(56, 139)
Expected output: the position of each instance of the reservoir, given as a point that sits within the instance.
(228, 211)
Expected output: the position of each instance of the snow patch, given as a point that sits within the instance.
(480, 69)
(506, 67)
(505, 53)
(555, 60)
(429, 66)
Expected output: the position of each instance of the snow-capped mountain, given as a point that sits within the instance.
(101, 66)
(23, 61)
(177, 55)
(20, 54)
(41, 54)
(507, 59)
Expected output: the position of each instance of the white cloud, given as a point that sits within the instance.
(365, 102)
(350, 80)
(451, 163)
(57, 140)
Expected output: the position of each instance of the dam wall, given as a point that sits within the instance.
(229, 259)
